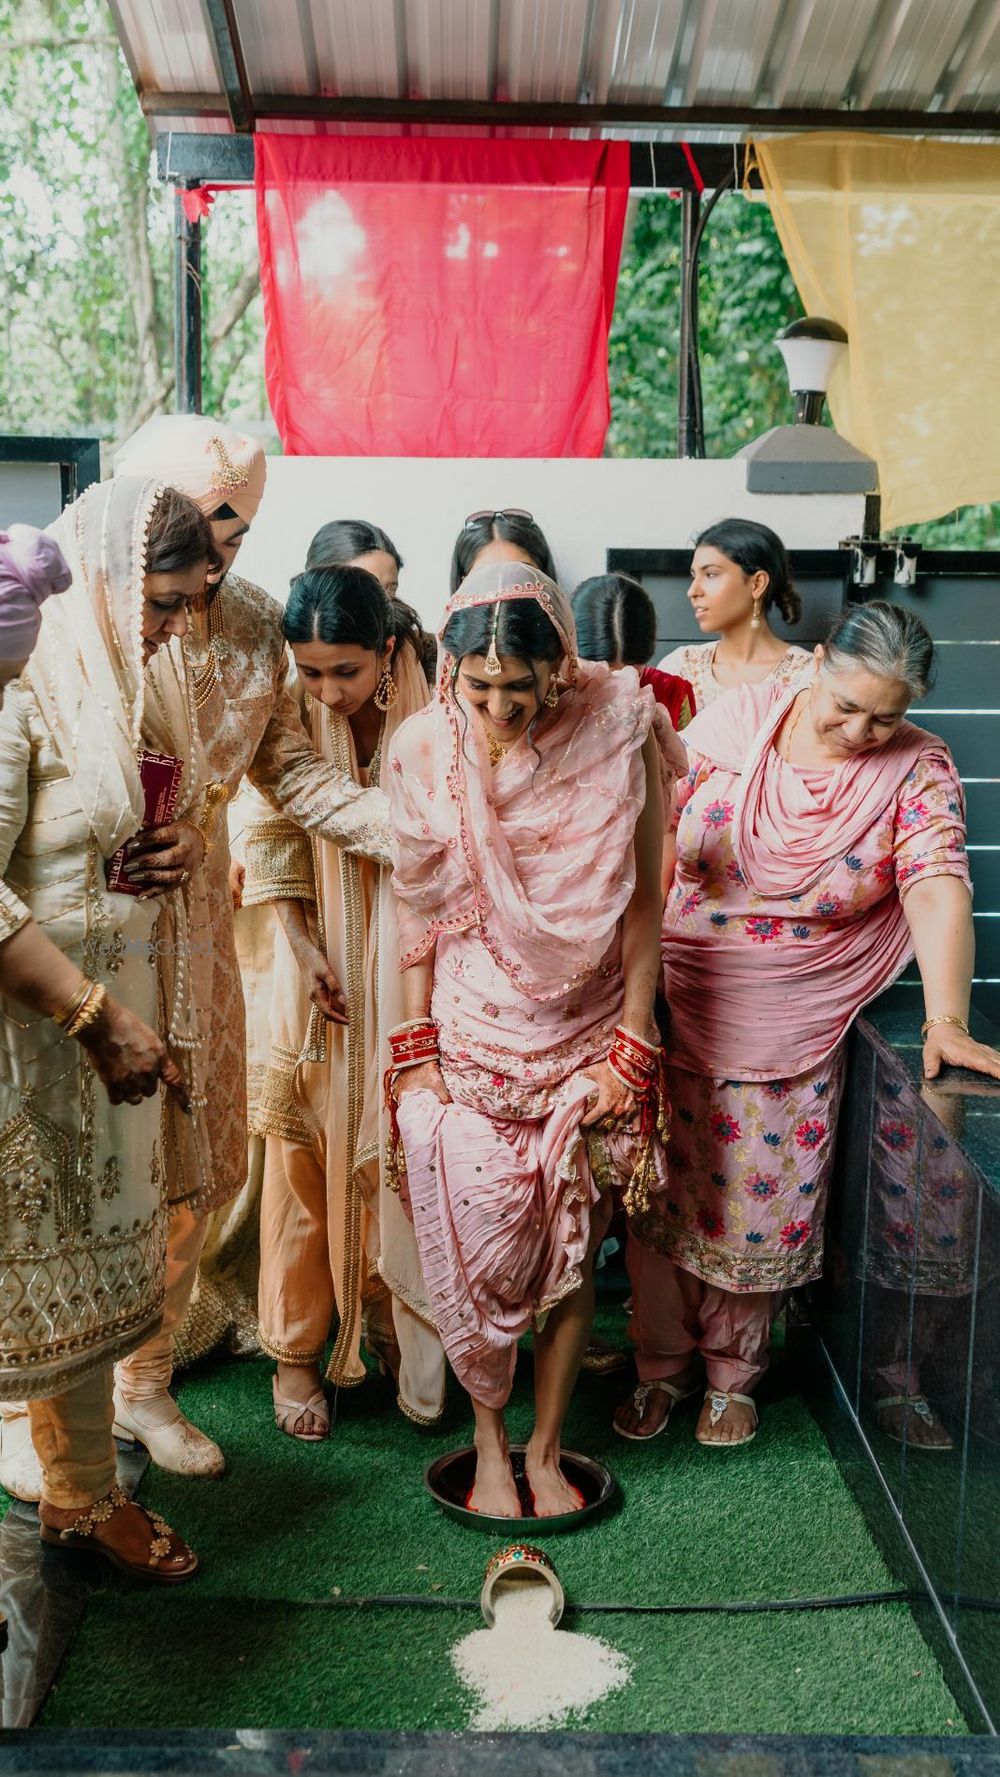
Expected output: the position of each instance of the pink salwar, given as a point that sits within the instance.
(499, 1183)
(675, 1315)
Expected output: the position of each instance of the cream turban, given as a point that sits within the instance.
(211, 463)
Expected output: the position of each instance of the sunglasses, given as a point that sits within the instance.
(508, 512)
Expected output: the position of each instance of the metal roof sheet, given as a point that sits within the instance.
(839, 58)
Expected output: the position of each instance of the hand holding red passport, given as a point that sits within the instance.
(160, 775)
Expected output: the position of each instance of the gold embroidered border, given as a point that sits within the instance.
(279, 864)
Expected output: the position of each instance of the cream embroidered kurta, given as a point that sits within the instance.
(82, 1222)
(250, 725)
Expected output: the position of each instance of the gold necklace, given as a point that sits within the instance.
(497, 750)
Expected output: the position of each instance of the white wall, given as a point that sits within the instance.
(584, 508)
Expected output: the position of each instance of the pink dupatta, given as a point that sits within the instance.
(539, 853)
(750, 1011)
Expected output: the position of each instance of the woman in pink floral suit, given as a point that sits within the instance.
(820, 843)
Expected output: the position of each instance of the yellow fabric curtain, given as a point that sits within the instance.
(899, 241)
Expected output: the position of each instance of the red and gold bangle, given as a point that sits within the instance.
(413, 1043)
(633, 1061)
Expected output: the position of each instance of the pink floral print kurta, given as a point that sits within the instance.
(749, 1161)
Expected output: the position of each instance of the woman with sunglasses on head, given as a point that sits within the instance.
(508, 535)
(333, 1240)
(527, 808)
(739, 571)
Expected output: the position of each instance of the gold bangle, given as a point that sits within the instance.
(66, 1014)
(89, 1012)
(943, 1018)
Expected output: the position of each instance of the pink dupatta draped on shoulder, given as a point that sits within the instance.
(767, 1011)
(537, 855)
(518, 879)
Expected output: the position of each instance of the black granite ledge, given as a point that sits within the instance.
(261, 1753)
(897, 1028)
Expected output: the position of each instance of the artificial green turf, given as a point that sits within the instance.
(250, 1643)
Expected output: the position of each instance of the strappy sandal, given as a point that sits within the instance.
(721, 1401)
(920, 1405)
(637, 1400)
(288, 1413)
(80, 1535)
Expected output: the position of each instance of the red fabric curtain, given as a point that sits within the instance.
(432, 296)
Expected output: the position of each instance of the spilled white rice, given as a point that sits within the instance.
(524, 1673)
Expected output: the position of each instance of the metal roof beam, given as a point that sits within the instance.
(960, 81)
(699, 49)
(793, 50)
(209, 159)
(871, 85)
(540, 114)
(220, 17)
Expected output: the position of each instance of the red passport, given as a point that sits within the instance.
(160, 775)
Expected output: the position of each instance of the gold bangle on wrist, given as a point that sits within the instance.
(83, 1009)
(66, 1014)
(943, 1018)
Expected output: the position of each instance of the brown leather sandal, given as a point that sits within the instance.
(80, 1535)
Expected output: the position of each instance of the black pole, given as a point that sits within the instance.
(187, 309)
(686, 409)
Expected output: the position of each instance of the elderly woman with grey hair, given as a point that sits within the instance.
(820, 845)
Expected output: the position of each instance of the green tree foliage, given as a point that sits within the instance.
(85, 249)
(746, 296)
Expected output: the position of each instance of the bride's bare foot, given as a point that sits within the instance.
(552, 1493)
(494, 1492)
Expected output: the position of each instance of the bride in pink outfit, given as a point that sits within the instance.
(527, 804)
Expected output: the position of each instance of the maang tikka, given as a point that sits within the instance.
(491, 665)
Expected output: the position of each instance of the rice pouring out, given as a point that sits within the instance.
(526, 1673)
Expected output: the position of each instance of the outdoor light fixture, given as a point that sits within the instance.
(811, 349)
(808, 457)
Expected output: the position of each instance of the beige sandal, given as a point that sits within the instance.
(637, 1400)
(920, 1405)
(287, 1415)
(721, 1401)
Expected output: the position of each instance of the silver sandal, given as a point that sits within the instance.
(721, 1401)
(639, 1397)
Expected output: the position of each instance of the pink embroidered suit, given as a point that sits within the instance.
(784, 919)
(516, 879)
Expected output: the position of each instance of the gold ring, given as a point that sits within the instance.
(185, 877)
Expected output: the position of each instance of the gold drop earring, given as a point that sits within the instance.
(551, 697)
(755, 619)
(386, 691)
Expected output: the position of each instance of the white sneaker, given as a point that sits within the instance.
(20, 1469)
(172, 1441)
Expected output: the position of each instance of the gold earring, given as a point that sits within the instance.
(755, 619)
(552, 694)
(386, 691)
